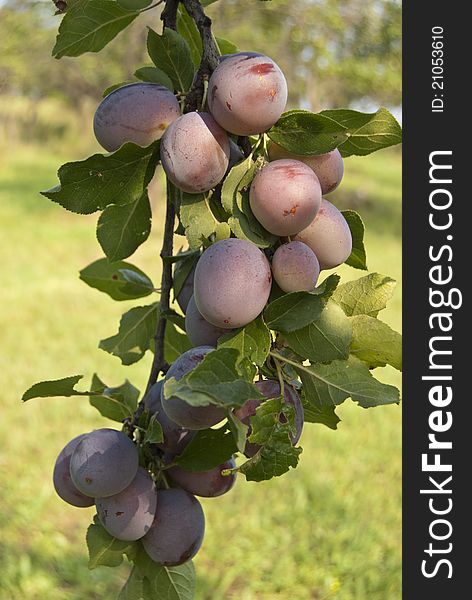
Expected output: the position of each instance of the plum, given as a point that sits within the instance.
(192, 417)
(178, 528)
(199, 331)
(247, 93)
(129, 514)
(295, 267)
(195, 152)
(328, 235)
(232, 283)
(176, 438)
(208, 484)
(285, 196)
(329, 167)
(103, 463)
(62, 479)
(138, 112)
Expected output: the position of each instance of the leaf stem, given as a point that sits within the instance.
(162, 482)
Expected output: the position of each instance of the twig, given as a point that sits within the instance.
(152, 6)
(159, 363)
(61, 6)
(210, 55)
(169, 14)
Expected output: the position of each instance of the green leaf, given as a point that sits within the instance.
(181, 256)
(133, 588)
(50, 389)
(357, 258)
(208, 449)
(197, 218)
(367, 132)
(327, 286)
(171, 53)
(330, 385)
(216, 380)
(154, 434)
(293, 311)
(232, 181)
(104, 549)
(166, 583)
(276, 454)
(137, 326)
(297, 309)
(114, 87)
(116, 403)
(235, 201)
(375, 343)
(134, 4)
(252, 342)
(365, 296)
(122, 229)
(89, 25)
(326, 339)
(113, 403)
(188, 30)
(135, 280)
(175, 343)
(154, 75)
(170, 583)
(120, 280)
(182, 270)
(325, 415)
(174, 317)
(222, 231)
(226, 47)
(304, 133)
(119, 178)
(239, 431)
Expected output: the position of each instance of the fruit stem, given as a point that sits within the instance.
(163, 482)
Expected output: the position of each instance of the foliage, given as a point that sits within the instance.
(329, 483)
(354, 46)
(321, 342)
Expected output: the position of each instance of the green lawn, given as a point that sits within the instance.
(329, 530)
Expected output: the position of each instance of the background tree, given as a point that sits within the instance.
(338, 53)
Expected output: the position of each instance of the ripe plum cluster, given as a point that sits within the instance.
(226, 289)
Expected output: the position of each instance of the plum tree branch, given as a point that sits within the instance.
(210, 55)
(159, 363)
(169, 14)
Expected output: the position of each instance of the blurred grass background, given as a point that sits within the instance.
(329, 530)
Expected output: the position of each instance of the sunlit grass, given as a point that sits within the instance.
(329, 530)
